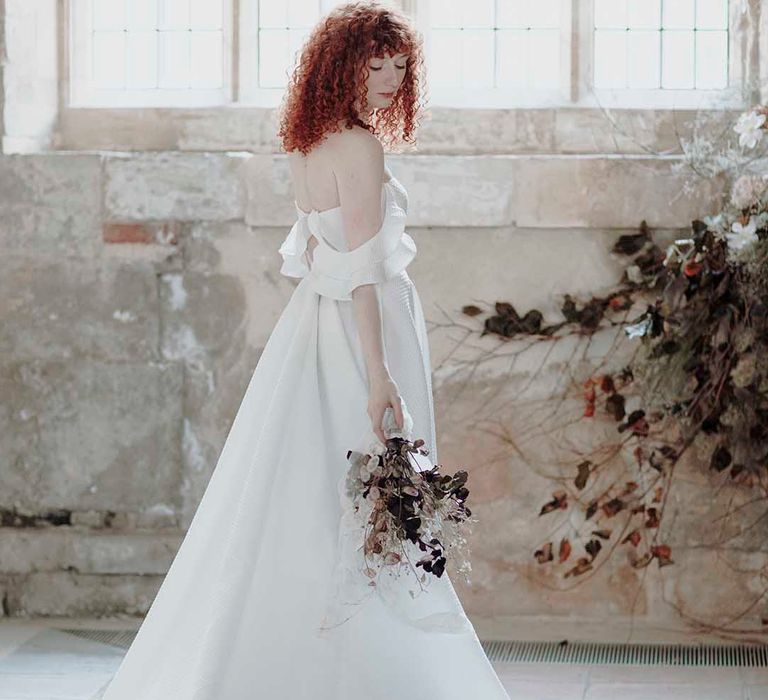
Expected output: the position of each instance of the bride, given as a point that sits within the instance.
(253, 605)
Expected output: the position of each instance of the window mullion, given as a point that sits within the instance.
(233, 37)
(571, 39)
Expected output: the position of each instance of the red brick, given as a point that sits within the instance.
(166, 233)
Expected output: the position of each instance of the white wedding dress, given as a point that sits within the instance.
(240, 612)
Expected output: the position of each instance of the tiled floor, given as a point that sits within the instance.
(39, 662)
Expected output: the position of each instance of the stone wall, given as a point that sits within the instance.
(138, 289)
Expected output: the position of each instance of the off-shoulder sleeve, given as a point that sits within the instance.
(336, 273)
(294, 247)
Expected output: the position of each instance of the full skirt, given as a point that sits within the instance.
(237, 615)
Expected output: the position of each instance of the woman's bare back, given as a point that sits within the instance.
(313, 174)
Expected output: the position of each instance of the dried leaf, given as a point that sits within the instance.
(581, 567)
(581, 478)
(721, 458)
(663, 553)
(532, 321)
(643, 561)
(391, 558)
(569, 310)
(614, 405)
(559, 502)
(621, 302)
(544, 554)
(593, 548)
(637, 423)
(629, 244)
(504, 308)
(471, 310)
(612, 507)
(653, 518)
(629, 487)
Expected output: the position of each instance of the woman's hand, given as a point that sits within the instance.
(383, 392)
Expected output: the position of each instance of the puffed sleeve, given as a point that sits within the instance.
(335, 273)
(294, 247)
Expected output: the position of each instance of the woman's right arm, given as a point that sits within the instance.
(359, 175)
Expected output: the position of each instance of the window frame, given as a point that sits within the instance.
(79, 125)
(731, 97)
(499, 98)
(78, 17)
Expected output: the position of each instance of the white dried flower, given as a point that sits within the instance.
(366, 471)
(635, 274)
(742, 236)
(375, 446)
(748, 190)
(749, 127)
(716, 224)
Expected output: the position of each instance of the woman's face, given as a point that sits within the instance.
(386, 74)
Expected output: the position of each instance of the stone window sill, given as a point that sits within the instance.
(444, 131)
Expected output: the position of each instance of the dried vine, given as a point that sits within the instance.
(696, 384)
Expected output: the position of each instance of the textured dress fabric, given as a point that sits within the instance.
(239, 613)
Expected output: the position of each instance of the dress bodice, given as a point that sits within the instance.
(327, 224)
(336, 269)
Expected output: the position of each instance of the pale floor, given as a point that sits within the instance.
(38, 662)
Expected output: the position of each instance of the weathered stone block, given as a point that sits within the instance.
(637, 131)
(50, 204)
(75, 549)
(68, 594)
(711, 586)
(153, 517)
(194, 326)
(249, 256)
(269, 191)
(707, 510)
(253, 130)
(90, 435)
(218, 361)
(178, 186)
(607, 192)
(78, 307)
(468, 131)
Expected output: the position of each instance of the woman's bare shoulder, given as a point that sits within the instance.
(356, 148)
(353, 139)
(348, 149)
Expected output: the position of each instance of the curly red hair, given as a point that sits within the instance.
(332, 70)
